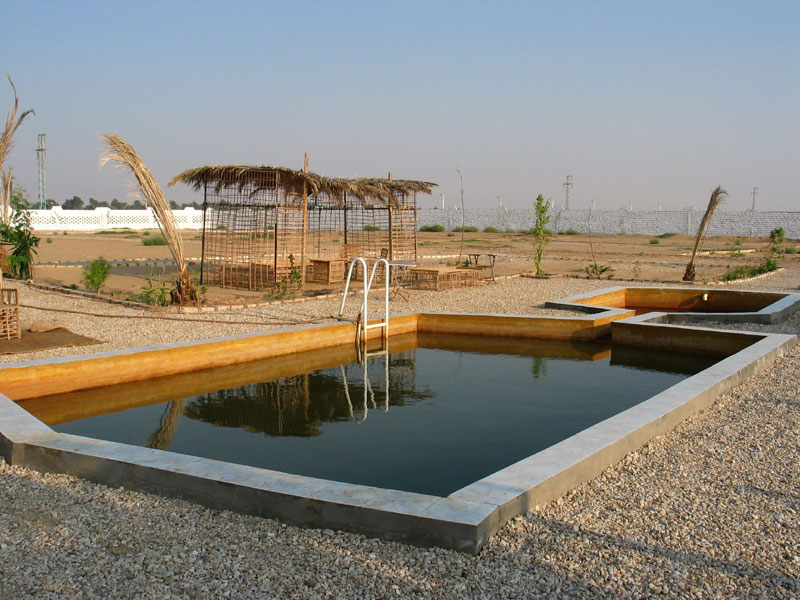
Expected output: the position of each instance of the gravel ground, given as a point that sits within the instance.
(710, 510)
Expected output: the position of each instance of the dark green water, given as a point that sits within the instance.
(453, 416)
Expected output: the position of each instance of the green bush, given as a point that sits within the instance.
(432, 228)
(791, 250)
(655, 241)
(95, 274)
(467, 229)
(596, 270)
(664, 236)
(18, 234)
(571, 231)
(744, 271)
(371, 228)
(491, 230)
(156, 240)
(160, 294)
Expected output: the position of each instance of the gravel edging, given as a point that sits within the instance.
(709, 510)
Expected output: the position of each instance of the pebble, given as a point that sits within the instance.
(709, 510)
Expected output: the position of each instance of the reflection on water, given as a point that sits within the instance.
(298, 405)
(436, 414)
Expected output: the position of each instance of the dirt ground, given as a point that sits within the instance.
(630, 257)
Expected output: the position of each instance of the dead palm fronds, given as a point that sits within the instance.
(6, 141)
(365, 190)
(717, 196)
(119, 151)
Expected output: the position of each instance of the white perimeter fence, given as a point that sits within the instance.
(649, 222)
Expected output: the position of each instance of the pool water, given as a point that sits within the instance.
(457, 409)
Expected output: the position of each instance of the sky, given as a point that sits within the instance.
(645, 103)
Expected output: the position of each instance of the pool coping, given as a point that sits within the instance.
(465, 519)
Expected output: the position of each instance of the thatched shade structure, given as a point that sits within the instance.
(259, 223)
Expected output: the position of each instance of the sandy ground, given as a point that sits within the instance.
(628, 256)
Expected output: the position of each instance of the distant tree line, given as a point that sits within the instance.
(77, 203)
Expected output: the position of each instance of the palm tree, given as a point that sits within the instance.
(6, 141)
(119, 151)
(717, 196)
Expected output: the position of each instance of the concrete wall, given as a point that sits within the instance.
(650, 222)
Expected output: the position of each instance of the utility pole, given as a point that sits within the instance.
(567, 185)
(754, 194)
(40, 154)
(463, 218)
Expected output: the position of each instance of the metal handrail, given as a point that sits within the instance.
(363, 318)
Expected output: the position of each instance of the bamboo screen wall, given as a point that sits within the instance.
(252, 232)
(358, 227)
(260, 223)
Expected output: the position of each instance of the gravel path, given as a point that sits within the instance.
(711, 510)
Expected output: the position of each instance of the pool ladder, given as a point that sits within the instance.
(362, 320)
(363, 326)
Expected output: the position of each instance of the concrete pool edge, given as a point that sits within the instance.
(769, 307)
(462, 521)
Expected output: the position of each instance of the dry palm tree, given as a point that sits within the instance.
(6, 141)
(119, 151)
(717, 196)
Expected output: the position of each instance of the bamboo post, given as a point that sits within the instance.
(305, 224)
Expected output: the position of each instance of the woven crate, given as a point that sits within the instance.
(9, 314)
(444, 279)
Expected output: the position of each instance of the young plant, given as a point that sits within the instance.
(776, 238)
(541, 235)
(289, 286)
(95, 274)
(596, 270)
(18, 234)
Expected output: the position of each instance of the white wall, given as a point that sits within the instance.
(57, 219)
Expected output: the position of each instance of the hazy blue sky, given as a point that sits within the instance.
(642, 102)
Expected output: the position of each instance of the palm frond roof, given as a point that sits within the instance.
(366, 189)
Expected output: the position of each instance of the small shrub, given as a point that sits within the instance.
(71, 286)
(156, 240)
(451, 234)
(491, 230)
(371, 228)
(776, 238)
(95, 274)
(655, 241)
(791, 250)
(571, 231)
(49, 240)
(734, 273)
(664, 236)
(158, 295)
(737, 242)
(596, 270)
(467, 229)
(288, 287)
(432, 228)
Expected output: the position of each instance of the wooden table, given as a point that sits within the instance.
(474, 258)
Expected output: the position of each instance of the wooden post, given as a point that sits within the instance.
(391, 229)
(305, 224)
